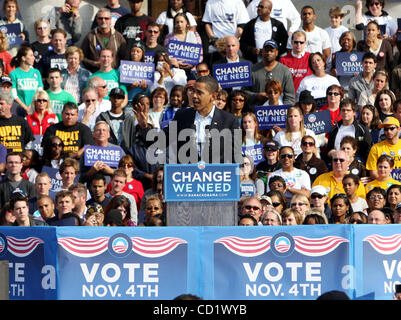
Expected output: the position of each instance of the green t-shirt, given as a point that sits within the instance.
(57, 101)
(25, 84)
(112, 79)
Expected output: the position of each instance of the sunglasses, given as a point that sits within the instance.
(357, 221)
(299, 42)
(153, 31)
(306, 143)
(276, 204)
(389, 128)
(338, 160)
(314, 196)
(90, 100)
(297, 204)
(286, 155)
(333, 93)
(57, 144)
(374, 4)
(254, 208)
(41, 100)
(379, 197)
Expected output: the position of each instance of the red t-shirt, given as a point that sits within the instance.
(298, 66)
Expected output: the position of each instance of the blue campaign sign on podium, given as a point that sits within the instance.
(378, 261)
(201, 182)
(275, 263)
(126, 263)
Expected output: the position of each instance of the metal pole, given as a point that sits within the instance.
(4, 280)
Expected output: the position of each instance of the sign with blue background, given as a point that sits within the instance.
(109, 155)
(349, 63)
(12, 31)
(184, 51)
(237, 74)
(318, 122)
(255, 151)
(131, 72)
(201, 182)
(271, 263)
(271, 116)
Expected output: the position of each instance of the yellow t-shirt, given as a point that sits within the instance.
(333, 186)
(384, 147)
(381, 184)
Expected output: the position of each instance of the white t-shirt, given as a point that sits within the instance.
(317, 40)
(225, 16)
(317, 85)
(100, 107)
(263, 32)
(359, 205)
(295, 143)
(391, 24)
(297, 179)
(169, 22)
(334, 35)
(282, 10)
(343, 131)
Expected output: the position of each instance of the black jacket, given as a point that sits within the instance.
(362, 134)
(247, 42)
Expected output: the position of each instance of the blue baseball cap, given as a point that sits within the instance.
(270, 43)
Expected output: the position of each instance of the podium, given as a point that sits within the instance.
(201, 194)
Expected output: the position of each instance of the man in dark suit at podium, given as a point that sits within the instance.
(204, 132)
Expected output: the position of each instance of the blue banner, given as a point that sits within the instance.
(271, 263)
(276, 263)
(131, 72)
(12, 31)
(236, 74)
(184, 51)
(109, 155)
(55, 178)
(32, 262)
(201, 182)
(349, 63)
(271, 116)
(255, 151)
(318, 122)
(126, 263)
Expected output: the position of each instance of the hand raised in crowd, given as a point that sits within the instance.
(141, 115)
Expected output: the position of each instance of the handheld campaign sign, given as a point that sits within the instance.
(347, 63)
(270, 116)
(318, 122)
(131, 72)
(236, 74)
(55, 178)
(184, 51)
(255, 151)
(12, 31)
(201, 182)
(109, 155)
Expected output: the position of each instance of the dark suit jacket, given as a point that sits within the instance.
(185, 119)
(247, 42)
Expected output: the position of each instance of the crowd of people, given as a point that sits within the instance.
(62, 93)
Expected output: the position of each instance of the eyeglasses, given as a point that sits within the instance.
(298, 204)
(389, 128)
(286, 155)
(90, 100)
(307, 143)
(314, 196)
(254, 208)
(57, 144)
(299, 42)
(338, 160)
(276, 204)
(333, 93)
(238, 100)
(378, 196)
(153, 31)
(41, 100)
